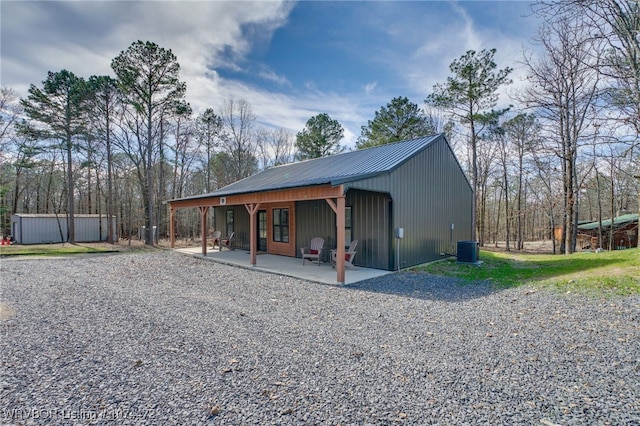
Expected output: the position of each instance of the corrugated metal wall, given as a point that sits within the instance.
(315, 219)
(370, 226)
(38, 229)
(241, 225)
(371, 220)
(90, 229)
(429, 193)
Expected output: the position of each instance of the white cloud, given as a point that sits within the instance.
(463, 32)
(213, 39)
(84, 37)
(370, 87)
(270, 75)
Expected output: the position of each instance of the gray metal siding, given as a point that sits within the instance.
(241, 225)
(38, 229)
(315, 219)
(88, 229)
(371, 226)
(429, 192)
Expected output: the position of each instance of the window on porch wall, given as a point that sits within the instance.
(281, 225)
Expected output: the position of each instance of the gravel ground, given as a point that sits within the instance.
(163, 338)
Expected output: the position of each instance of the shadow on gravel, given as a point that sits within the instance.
(426, 286)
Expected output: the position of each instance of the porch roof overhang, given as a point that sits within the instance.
(222, 198)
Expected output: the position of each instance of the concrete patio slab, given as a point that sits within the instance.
(284, 265)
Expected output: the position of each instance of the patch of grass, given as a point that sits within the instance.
(616, 272)
(52, 250)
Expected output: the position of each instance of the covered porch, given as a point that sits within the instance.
(284, 265)
(254, 202)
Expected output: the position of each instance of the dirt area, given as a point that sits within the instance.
(531, 247)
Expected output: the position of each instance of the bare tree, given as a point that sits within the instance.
(105, 98)
(238, 141)
(10, 110)
(486, 154)
(184, 149)
(521, 131)
(275, 147)
(617, 24)
(563, 89)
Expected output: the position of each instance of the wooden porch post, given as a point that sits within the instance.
(253, 232)
(340, 238)
(172, 225)
(203, 224)
(339, 209)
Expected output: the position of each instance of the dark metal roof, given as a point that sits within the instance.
(620, 220)
(335, 170)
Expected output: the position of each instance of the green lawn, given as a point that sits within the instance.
(52, 250)
(616, 272)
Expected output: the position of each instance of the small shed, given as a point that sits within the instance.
(406, 203)
(52, 228)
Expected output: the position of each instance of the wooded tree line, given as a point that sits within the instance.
(566, 151)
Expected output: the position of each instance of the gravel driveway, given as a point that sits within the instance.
(163, 338)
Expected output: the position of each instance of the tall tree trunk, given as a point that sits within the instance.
(613, 211)
(506, 209)
(474, 166)
(89, 164)
(599, 195)
(519, 243)
(110, 213)
(71, 230)
(148, 196)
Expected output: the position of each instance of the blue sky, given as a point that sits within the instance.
(290, 60)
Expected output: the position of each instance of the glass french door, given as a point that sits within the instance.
(262, 230)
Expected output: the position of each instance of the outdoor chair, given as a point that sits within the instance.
(227, 243)
(349, 254)
(215, 239)
(314, 251)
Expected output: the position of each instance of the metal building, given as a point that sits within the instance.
(413, 189)
(51, 228)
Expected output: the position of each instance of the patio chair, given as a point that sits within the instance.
(215, 239)
(349, 254)
(314, 251)
(227, 243)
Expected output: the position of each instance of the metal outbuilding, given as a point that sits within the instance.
(406, 203)
(51, 228)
